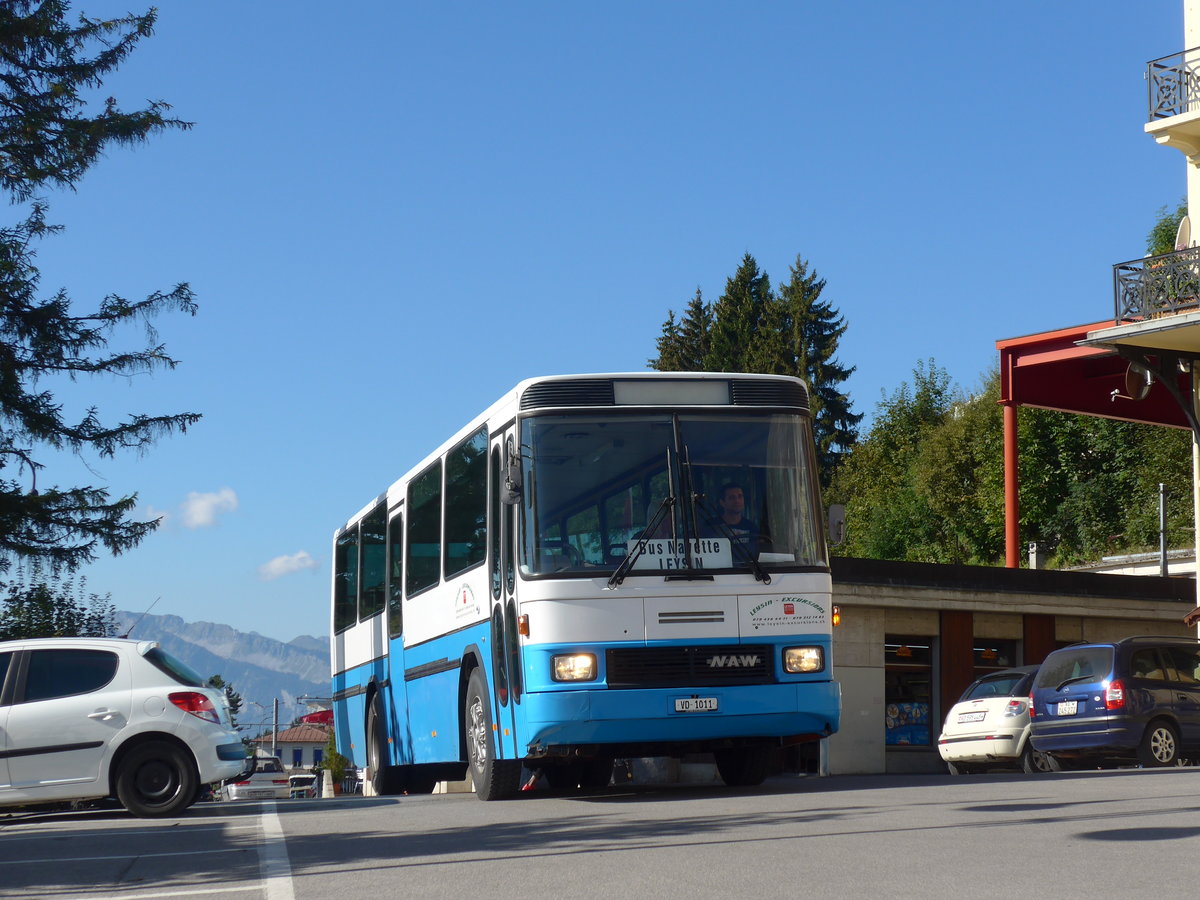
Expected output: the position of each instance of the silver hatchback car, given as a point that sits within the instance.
(87, 718)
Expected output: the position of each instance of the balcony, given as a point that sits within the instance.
(1157, 286)
(1174, 100)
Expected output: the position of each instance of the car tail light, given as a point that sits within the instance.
(1014, 708)
(195, 703)
(1032, 711)
(1114, 695)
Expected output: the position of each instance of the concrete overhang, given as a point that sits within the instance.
(1178, 334)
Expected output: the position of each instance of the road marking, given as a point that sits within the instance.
(273, 856)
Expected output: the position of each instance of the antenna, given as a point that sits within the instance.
(139, 619)
(1183, 235)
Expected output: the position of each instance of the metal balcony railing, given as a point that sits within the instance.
(1174, 83)
(1157, 285)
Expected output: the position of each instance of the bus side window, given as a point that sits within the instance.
(372, 553)
(424, 534)
(345, 579)
(395, 585)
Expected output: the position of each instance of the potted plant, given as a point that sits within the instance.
(334, 763)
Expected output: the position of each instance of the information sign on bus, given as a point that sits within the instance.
(668, 553)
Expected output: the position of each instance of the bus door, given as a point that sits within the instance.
(506, 663)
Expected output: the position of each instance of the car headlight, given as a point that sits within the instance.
(574, 667)
(803, 660)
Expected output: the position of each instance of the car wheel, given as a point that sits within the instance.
(385, 780)
(495, 779)
(743, 767)
(1035, 761)
(1160, 745)
(156, 779)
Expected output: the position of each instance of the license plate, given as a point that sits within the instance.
(695, 704)
(1068, 707)
(972, 717)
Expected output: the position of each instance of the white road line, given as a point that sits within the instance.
(273, 856)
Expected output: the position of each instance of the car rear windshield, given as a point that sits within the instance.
(1075, 664)
(180, 671)
(1002, 684)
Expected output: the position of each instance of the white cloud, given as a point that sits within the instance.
(200, 510)
(286, 565)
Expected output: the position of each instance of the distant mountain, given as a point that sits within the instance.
(259, 668)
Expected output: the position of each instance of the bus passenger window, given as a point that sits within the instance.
(345, 579)
(466, 504)
(424, 530)
(395, 587)
(372, 551)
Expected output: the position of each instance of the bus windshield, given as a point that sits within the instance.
(698, 491)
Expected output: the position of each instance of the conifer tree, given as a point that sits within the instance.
(53, 128)
(812, 328)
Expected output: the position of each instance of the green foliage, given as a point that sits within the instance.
(1161, 238)
(752, 328)
(55, 608)
(927, 482)
(234, 698)
(332, 761)
(51, 136)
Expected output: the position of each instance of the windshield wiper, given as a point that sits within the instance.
(1072, 680)
(640, 542)
(760, 573)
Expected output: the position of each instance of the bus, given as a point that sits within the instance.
(597, 567)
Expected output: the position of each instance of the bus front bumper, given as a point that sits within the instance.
(680, 716)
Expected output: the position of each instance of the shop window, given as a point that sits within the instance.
(908, 690)
(994, 655)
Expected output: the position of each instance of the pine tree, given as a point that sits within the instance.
(683, 346)
(811, 329)
(740, 322)
(50, 136)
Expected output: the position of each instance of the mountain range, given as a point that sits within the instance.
(259, 668)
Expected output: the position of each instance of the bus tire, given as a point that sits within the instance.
(743, 766)
(385, 780)
(495, 779)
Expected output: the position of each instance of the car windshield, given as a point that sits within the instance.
(1075, 664)
(741, 486)
(1002, 684)
(177, 669)
(268, 765)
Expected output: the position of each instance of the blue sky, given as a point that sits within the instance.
(393, 212)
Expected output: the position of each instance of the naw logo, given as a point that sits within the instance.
(745, 661)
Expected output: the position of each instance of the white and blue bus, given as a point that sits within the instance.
(597, 567)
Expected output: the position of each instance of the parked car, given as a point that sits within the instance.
(988, 728)
(1135, 700)
(265, 780)
(88, 718)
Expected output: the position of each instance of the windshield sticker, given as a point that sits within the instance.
(666, 553)
(771, 613)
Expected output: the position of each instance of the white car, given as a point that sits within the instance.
(988, 728)
(87, 718)
(268, 781)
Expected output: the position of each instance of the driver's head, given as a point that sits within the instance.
(732, 501)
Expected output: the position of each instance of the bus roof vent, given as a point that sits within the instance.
(584, 392)
(769, 393)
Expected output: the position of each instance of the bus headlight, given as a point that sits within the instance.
(803, 660)
(574, 667)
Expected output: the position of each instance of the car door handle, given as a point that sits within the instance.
(102, 714)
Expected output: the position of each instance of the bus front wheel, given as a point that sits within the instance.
(495, 779)
(385, 779)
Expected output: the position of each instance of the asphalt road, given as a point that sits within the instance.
(1096, 834)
